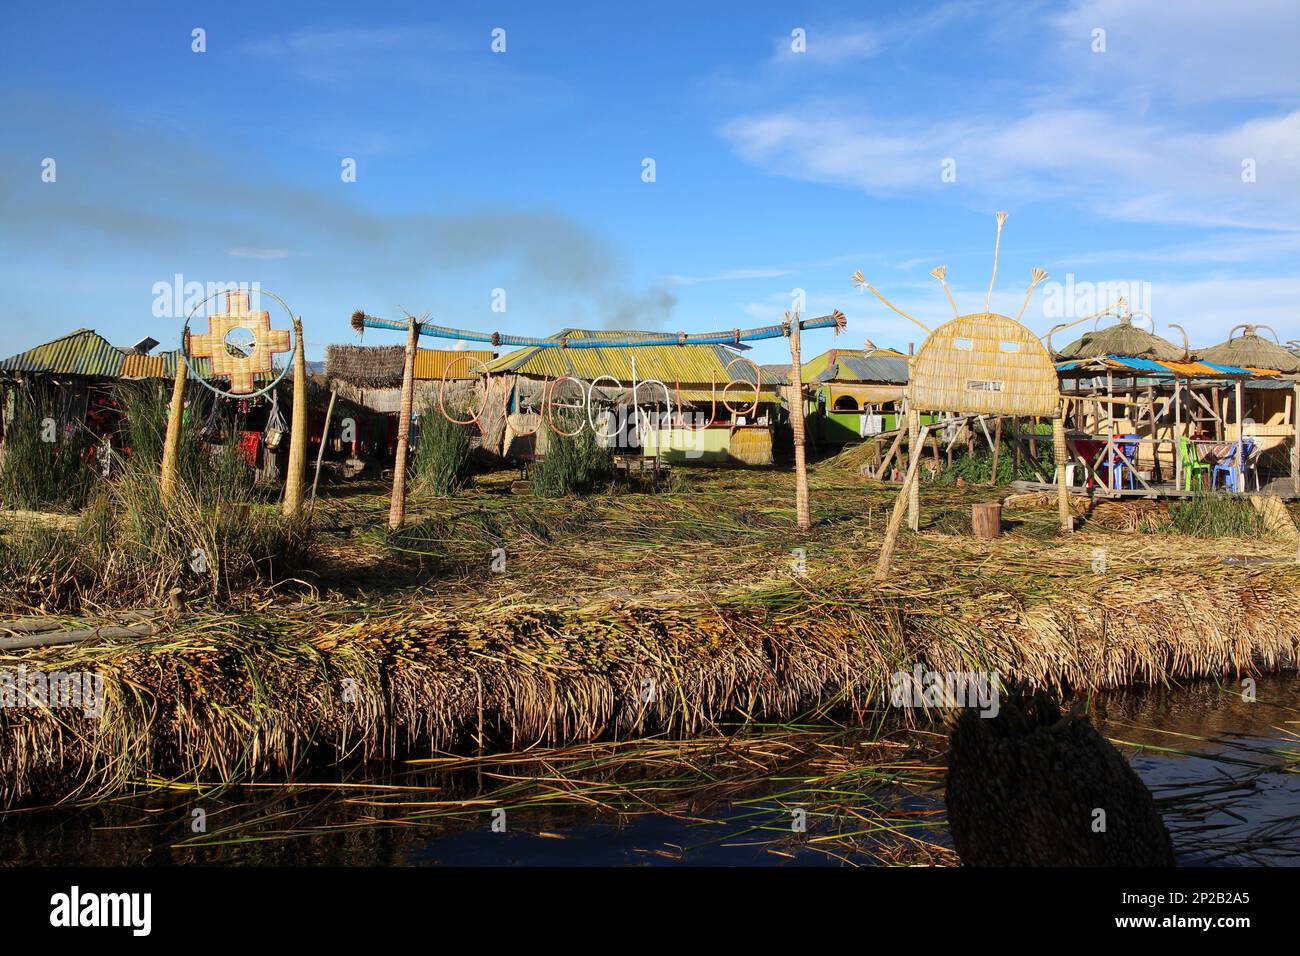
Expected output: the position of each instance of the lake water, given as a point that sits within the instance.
(1225, 771)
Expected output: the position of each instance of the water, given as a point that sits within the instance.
(1225, 771)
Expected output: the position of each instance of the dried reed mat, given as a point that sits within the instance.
(1043, 500)
(753, 446)
(233, 699)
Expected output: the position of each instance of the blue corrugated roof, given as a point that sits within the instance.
(1158, 369)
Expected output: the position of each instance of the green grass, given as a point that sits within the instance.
(443, 456)
(1215, 515)
(573, 465)
(37, 474)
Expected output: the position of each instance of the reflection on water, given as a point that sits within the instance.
(1225, 772)
(1224, 769)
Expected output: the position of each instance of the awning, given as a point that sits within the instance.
(1153, 368)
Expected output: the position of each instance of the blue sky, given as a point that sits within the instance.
(775, 170)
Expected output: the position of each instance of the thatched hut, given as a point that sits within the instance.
(1123, 338)
(371, 375)
(1253, 351)
(853, 393)
(693, 379)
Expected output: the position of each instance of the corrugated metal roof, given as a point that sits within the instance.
(851, 367)
(163, 365)
(1159, 368)
(856, 365)
(430, 364)
(83, 352)
(693, 364)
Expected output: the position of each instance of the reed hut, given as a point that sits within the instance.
(695, 402)
(371, 375)
(1123, 338)
(1253, 351)
(1168, 395)
(1271, 398)
(854, 393)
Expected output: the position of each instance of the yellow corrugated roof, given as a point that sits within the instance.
(432, 363)
(693, 364)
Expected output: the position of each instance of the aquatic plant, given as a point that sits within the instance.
(573, 465)
(43, 464)
(443, 454)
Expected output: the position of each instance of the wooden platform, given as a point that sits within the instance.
(1282, 489)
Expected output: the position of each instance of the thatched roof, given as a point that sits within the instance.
(381, 366)
(1251, 350)
(1123, 338)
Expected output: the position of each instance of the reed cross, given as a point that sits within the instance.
(240, 369)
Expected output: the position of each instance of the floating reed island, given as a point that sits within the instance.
(625, 614)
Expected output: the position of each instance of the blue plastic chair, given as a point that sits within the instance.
(1117, 466)
(1228, 467)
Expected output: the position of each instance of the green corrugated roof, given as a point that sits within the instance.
(693, 364)
(83, 352)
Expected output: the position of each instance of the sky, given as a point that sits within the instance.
(1138, 147)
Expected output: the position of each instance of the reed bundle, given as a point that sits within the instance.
(236, 699)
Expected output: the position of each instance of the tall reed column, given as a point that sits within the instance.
(296, 476)
(1059, 453)
(175, 413)
(803, 518)
(397, 509)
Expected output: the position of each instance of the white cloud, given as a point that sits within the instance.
(1192, 50)
(1118, 167)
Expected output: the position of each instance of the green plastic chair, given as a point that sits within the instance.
(1192, 464)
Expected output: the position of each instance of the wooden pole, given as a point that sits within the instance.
(1015, 442)
(295, 476)
(896, 519)
(1062, 491)
(997, 447)
(1295, 440)
(175, 415)
(913, 461)
(803, 518)
(397, 509)
(1178, 432)
(1241, 437)
(324, 437)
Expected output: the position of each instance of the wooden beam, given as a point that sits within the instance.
(896, 517)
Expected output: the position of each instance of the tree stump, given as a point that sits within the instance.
(986, 520)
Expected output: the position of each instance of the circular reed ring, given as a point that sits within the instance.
(442, 385)
(591, 390)
(548, 403)
(221, 393)
(758, 386)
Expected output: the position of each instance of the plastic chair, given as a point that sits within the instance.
(1192, 464)
(1117, 465)
(1228, 467)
